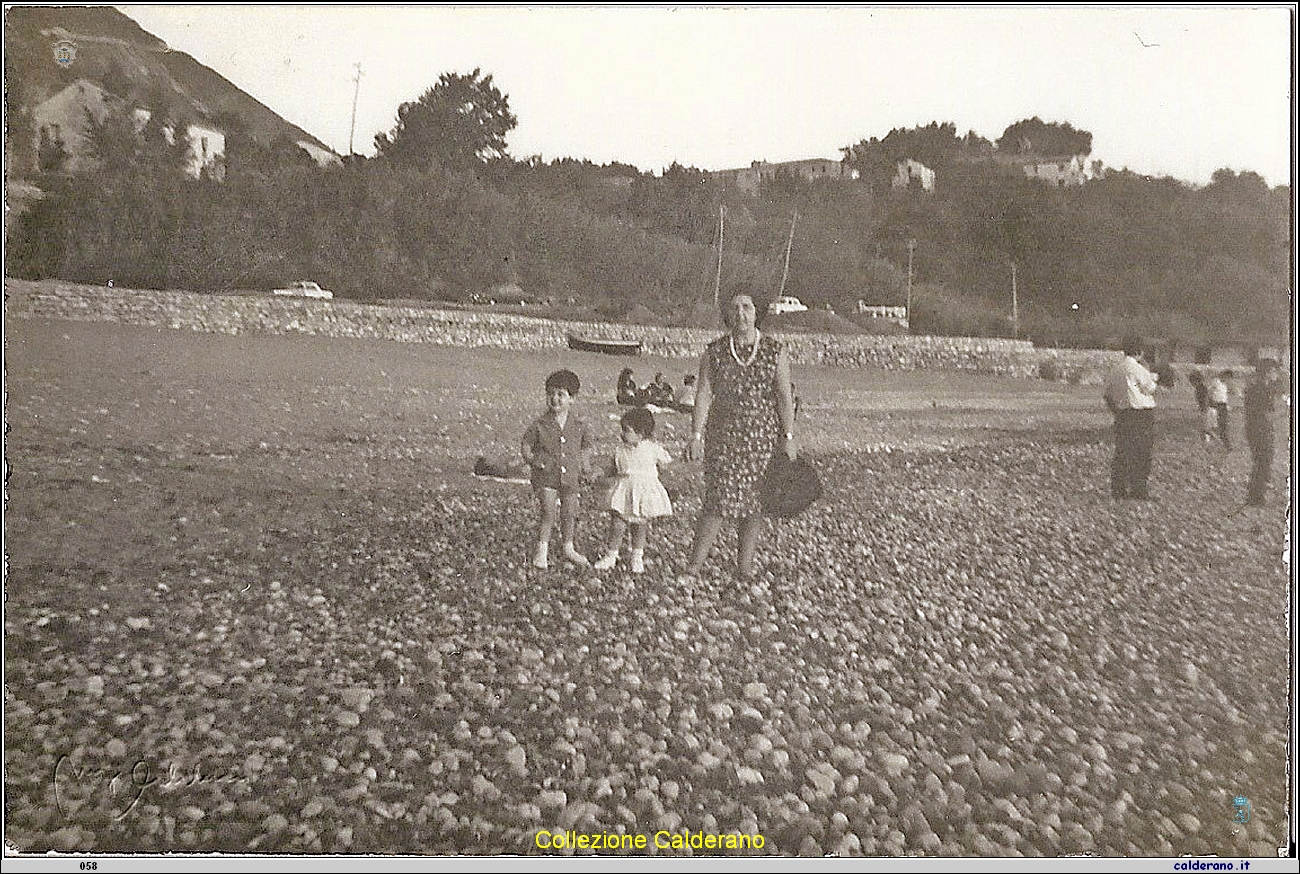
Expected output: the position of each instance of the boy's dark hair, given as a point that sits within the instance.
(565, 379)
(640, 420)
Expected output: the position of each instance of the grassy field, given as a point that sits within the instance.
(258, 568)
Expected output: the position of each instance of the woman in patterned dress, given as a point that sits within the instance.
(744, 413)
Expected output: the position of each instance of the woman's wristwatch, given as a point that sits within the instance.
(789, 436)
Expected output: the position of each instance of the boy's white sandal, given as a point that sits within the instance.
(572, 556)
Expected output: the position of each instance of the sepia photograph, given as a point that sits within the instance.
(649, 435)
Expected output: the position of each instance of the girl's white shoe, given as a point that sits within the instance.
(606, 561)
(638, 561)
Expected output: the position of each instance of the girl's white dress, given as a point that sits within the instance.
(638, 495)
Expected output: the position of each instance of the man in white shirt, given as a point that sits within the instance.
(1131, 396)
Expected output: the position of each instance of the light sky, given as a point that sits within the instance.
(717, 87)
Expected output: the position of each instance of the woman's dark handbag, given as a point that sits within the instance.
(790, 487)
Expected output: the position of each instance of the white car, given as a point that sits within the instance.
(303, 288)
(786, 304)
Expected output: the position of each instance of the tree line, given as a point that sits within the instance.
(443, 212)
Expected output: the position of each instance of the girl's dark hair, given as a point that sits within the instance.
(640, 420)
(565, 379)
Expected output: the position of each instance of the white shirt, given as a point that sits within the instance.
(1130, 386)
(1218, 391)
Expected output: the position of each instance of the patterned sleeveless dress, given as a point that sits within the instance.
(743, 427)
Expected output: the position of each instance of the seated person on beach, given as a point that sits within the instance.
(659, 392)
(627, 392)
(686, 400)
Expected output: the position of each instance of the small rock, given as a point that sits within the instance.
(517, 759)
(274, 824)
(357, 698)
(849, 845)
(66, 839)
(823, 783)
(484, 788)
(552, 799)
(895, 764)
(809, 847)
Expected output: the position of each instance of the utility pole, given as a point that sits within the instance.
(355, 94)
(1015, 305)
(911, 248)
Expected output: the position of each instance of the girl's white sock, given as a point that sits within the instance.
(540, 554)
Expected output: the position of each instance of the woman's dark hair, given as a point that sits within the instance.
(640, 420)
(565, 379)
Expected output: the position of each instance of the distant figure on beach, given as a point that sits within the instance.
(686, 400)
(1130, 395)
(627, 392)
(1258, 408)
(659, 392)
(1206, 413)
(1219, 394)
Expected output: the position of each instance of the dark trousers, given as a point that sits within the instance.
(1261, 463)
(1134, 437)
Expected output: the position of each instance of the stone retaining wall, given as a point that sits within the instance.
(238, 314)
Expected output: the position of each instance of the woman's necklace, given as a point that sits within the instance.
(753, 353)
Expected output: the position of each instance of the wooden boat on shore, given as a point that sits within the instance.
(608, 347)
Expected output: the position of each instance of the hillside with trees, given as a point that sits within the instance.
(443, 212)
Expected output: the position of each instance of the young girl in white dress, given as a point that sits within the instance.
(638, 496)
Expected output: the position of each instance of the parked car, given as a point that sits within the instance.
(786, 304)
(303, 288)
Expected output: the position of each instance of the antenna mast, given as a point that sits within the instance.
(717, 282)
(788, 246)
(355, 94)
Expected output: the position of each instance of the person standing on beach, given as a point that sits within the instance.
(1219, 393)
(743, 415)
(555, 448)
(1258, 408)
(1130, 395)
